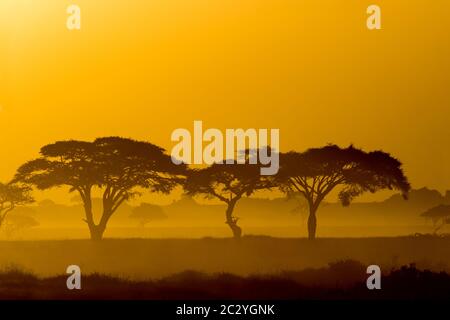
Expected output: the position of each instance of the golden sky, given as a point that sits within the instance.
(311, 68)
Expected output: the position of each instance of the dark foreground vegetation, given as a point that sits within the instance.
(340, 280)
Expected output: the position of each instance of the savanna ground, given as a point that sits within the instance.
(249, 268)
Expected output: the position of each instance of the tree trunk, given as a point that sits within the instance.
(232, 221)
(312, 223)
(97, 232)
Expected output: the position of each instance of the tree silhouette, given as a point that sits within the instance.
(228, 183)
(440, 215)
(316, 172)
(19, 222)
(11, 196)
(119, 167)
(146, 213)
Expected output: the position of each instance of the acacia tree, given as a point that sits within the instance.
(228, 183)
(440, 215)
(19, 222)
(316, 172)
(11, 196)
(147, 213)
(119, 167)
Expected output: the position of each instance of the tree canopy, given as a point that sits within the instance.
(147, 212)
(440, 215)
(317, 171)
(11, 196)
(118, 166)
(227, 183)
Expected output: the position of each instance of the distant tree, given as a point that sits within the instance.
(11, 196)
(227, 183)
(18, 222)
(440, 215)
(316, 172)
(146, 212)
(46, 203)
(119, 167)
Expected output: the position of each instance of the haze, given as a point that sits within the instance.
(312, 69)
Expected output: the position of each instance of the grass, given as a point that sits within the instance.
(142, 259)
(340, 280)
(213, 268)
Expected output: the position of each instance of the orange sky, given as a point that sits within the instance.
(311, 68)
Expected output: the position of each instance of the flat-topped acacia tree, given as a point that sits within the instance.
(440, 215)
(227, 183)
(119, 167)
(316, 172)
(11, 196)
